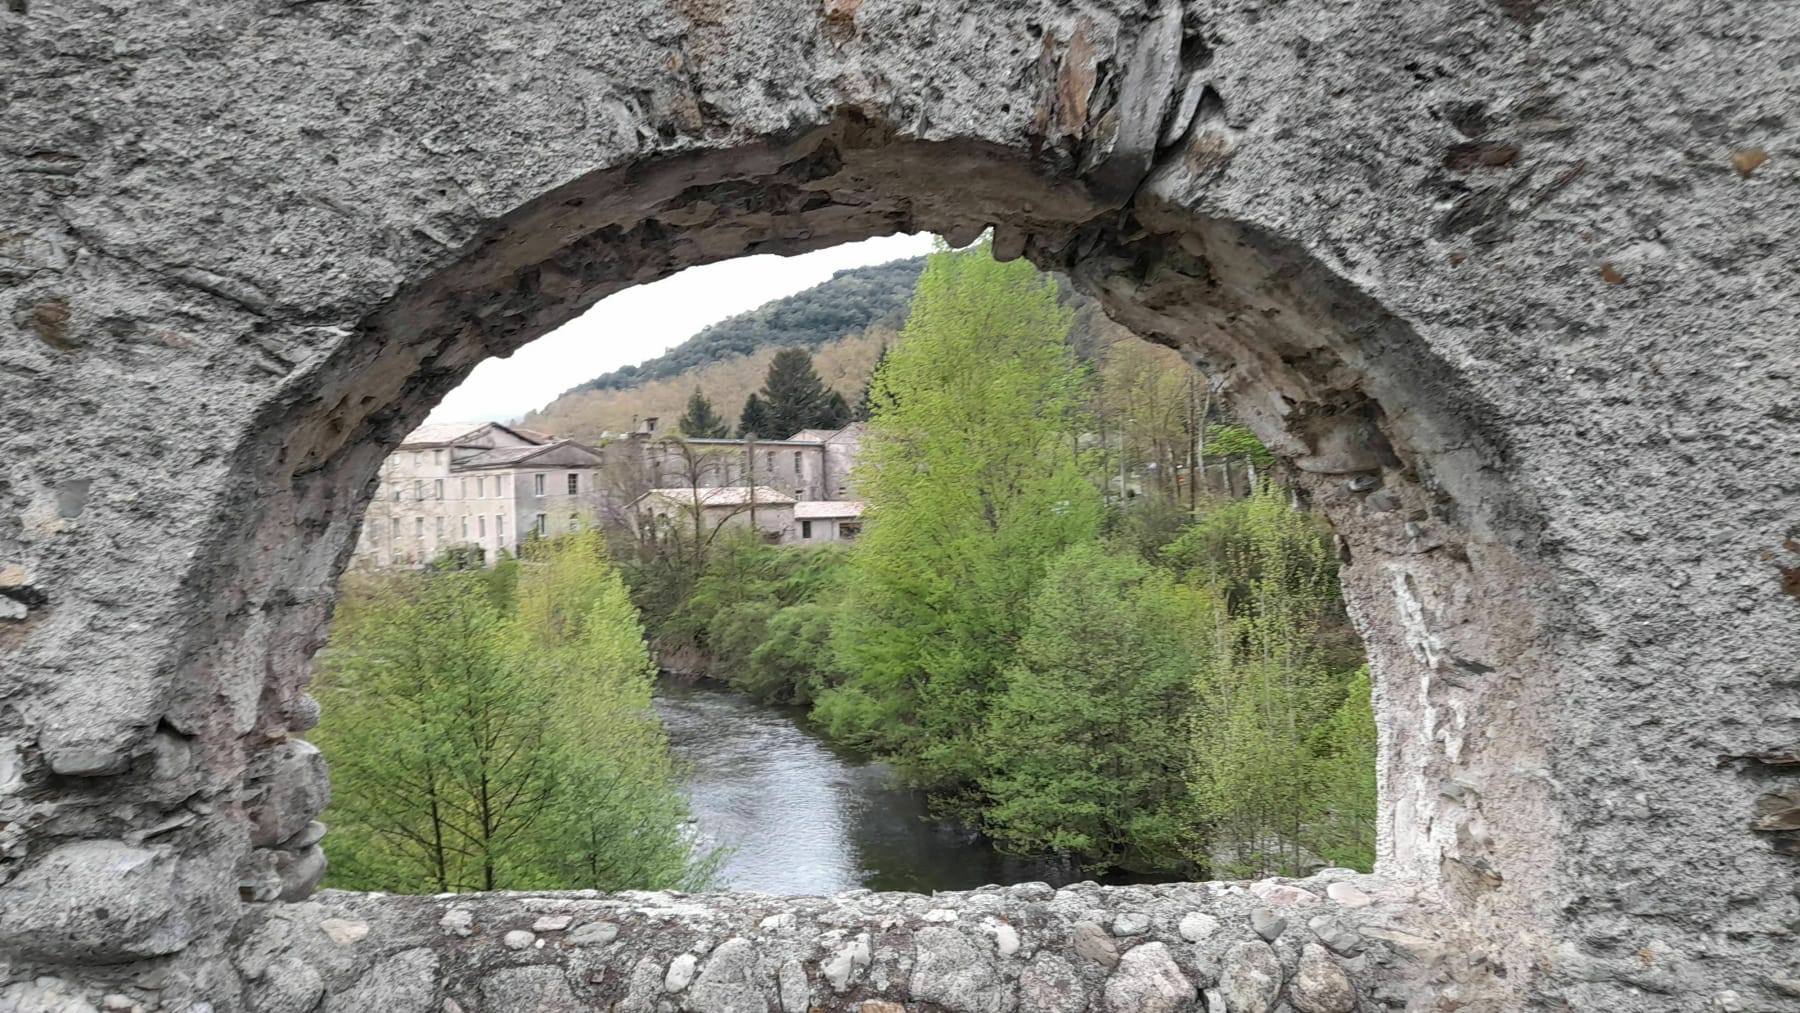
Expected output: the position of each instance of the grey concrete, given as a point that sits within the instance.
(1509, 282)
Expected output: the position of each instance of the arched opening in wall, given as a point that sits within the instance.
(1380, 435)
(1033, 605)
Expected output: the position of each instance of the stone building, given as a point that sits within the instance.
(488, 486)
(831, 520)
(813, 464)
(761, 508)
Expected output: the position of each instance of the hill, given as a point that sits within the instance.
(850, 301)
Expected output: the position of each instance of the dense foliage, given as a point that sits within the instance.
(493, 730)
(1074, 651)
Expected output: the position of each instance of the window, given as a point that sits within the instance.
(374, 533)
(848, 530)
(440, 529)
(574, 482)
(537, 485)
(806, 529)
(394, 528)
(500, 526)
(437, 457)
(418, 459)
(396, 492)
(465, 489)
(480, 527)
(437, 488)
(796, 464)
(465, 528)
(419, 528)
(418, 489)
(543, 525)
(574, 523)
(769, 457)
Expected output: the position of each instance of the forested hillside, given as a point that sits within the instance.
(845, 322)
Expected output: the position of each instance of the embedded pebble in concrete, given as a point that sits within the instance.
(1197, 927)
(518, 939)
(593, 934)
(1131, 923)
(1093, 942)
(1347, 895)
(1267, 924)
(681, 972)
(1320, 986)
(1148, 981)
(1251, 978)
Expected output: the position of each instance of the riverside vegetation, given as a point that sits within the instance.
(1125, 676)
(1157, 683)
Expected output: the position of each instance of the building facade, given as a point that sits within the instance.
(488, 487)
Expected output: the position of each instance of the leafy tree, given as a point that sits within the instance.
(864, 405)
(973, 484)
(1087, 748)
(701, 422)
(794, 398)
(1341, 823)
(1265, 687)
(754, 420)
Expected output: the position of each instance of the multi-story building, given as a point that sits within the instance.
(486, 486)
(813, 464)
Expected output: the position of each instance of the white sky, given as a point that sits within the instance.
(643, 322)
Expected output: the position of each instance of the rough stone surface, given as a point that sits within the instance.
(1320, 986)
(98, 901)
(1091, 941)
(1148, 981)
(951, 970)
(1504, 282)
(1251, 979)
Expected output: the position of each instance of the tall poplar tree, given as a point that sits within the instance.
(973, 485)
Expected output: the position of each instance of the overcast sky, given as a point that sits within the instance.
(643, 322)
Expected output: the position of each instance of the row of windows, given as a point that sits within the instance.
(541, 525)
(539, 484)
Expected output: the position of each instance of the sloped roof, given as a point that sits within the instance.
(439, 434)
(724, 496)
(822, 509)
(503, 457)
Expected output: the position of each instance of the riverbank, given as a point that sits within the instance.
(801, 817)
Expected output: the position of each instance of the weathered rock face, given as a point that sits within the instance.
(1504, 280)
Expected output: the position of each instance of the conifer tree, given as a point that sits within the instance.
(794, 396)
(754, 420)
(701, 422)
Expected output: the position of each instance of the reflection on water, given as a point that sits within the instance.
(802, 819)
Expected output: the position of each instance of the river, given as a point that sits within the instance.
(799, 817)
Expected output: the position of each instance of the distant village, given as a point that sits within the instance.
(492, 487)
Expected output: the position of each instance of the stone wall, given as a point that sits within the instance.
(1507, 282)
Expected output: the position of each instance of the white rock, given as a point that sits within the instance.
(343, 931)
(1131, 923)
(790, 981)
(1006, 938)
(1282, 893)
(850, 958)
(551, 923)
(1320, 986)
(775, 923)
(942, 914)
(594, 934)
(1197, 926)
(518, 939)
(1347, 895)
(1148, 981)
(681, 972)
(458, 921)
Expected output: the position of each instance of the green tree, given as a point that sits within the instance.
(1087, 748)
(794, 398)
(865, 406)
(973, 484)
(701, 422)
(1341, 823)
(486, 738)
(754, 419)
(1266, 686)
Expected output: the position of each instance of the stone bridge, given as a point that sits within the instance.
(1511, 283)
